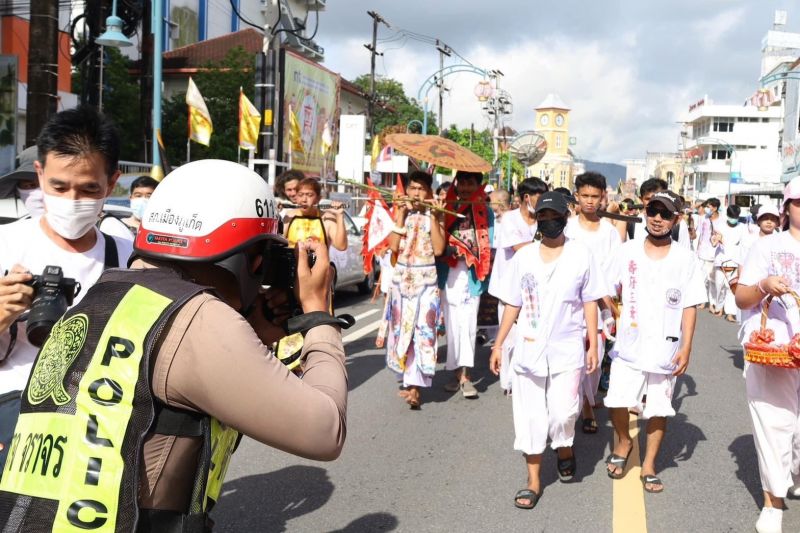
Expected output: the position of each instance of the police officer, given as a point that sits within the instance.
(139, 395)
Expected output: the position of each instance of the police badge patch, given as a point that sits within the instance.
(57, 355)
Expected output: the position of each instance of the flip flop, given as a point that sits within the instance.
(526, 494)
(617, 461)
(589, 426)
(652, 480)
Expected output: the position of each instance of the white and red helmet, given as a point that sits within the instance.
(205, 211)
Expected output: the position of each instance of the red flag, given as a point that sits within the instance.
(377, 229)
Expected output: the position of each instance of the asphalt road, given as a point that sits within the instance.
(451, 466)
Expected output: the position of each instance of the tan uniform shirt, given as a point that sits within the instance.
(210, 360)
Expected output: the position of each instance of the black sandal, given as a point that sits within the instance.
(652, 480)
(566, 469)
(617, 461)
(526, 494)
(589, 426)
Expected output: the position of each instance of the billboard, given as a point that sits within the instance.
(312, 94)
(8, 112)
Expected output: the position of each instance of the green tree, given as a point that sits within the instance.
(480, 142)
(120, 102)
(394, 107)
(219, 84)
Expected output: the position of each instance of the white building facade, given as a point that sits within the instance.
(731, 148)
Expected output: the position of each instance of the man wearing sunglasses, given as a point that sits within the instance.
(650, 187)
(660, 284)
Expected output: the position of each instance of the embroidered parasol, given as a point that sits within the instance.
(438, 151)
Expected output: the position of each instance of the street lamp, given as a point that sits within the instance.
(113, 35)
(730, 151)
(414, 121)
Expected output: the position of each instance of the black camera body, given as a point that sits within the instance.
(53, 294)
(281, 266)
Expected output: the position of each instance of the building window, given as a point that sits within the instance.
(723, 124)
(670, 178)
(558, 141)
(765, 120)
(541, 174)
(563, 177)
(719, 153)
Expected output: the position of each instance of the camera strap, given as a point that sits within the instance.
(306, 321)
(12, 332)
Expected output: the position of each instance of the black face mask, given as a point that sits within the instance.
(667, 235)
(552, 228)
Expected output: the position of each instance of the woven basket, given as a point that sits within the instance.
(778, 354)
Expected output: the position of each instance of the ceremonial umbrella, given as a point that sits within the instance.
(438, 151)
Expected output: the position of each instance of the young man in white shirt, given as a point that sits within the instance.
(602, 239)
(661, 284)
(728, 239)
(517, 229)
(707, 249)
(551, 291)
(77, 170)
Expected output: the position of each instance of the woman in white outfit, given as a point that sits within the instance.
(773, 394)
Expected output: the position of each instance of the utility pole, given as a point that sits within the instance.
(146, 81)
(376, 19)
(42, 67)
(444, 50)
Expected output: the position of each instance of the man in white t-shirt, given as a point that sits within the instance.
(729, 239)
(661, 284)
(77, 170)
(602, 239)
(516, 230)
(707, 249)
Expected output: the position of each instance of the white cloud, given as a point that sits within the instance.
(713, 30)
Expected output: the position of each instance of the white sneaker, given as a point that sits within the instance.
(769, 521)
(795, 490)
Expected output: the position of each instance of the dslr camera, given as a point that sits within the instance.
(53, 294)
(281, 266)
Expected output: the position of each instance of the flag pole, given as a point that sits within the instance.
(188, 150)
(238, 154)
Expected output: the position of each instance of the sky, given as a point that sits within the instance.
(628, 69)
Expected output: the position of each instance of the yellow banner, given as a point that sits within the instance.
(249, 123)
(295, 136)
(200, 125)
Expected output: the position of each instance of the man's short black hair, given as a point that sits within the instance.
(464, 175)
(422, 177)
(531, 186)
(285, 177)
(652, 185)
(145, 182)
(443, 187)
(80, 132)
(734, 211)
(564, 191)
(590, 179)
(713, 202)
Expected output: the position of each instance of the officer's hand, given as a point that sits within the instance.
(15, 296)
(270, 331)
(313, 283)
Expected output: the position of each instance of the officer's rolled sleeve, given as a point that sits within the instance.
(211, 360)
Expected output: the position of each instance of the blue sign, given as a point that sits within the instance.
(736, 177)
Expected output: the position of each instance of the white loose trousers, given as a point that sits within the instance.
(460, 318)
(545, 406)
(773, 397)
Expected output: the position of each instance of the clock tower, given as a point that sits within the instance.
(552, 122)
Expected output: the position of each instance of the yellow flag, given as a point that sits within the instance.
(376, 151)
(295, 136)
(249, 123)
(327, 140)
(200, 126)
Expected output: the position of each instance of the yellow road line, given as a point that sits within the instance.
(629, 512)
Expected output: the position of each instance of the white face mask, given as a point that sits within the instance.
(72, 219)
(138, 205)
(33, 200)
(531, 210)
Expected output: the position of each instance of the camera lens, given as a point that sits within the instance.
(48, 306)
